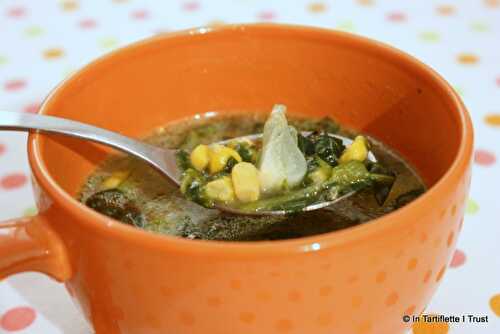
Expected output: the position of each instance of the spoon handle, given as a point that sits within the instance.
(162, 159)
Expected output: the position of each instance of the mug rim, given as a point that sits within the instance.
(106, 225)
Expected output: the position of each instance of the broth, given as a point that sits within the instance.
(158, 205)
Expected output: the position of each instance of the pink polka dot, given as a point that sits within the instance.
(87, 24)
(32, 108)
(396, 17)
(140, 14)
(16, 12)
(3, 148)
(17, 318)
(498, 81)
(13, 181)
(191, 6)
(458, 259)
(484, 158)
(266, 15)
(13, 85)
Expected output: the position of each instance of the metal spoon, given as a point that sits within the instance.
(162, 159)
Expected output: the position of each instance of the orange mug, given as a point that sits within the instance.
(362, 279)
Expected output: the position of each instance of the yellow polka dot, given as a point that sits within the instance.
(69, 5)
(391, 299)
(467, 58)
(380, 277)
(429, 327)
(453, 210)
(325, 319)
(284, 325)
(317, 7)
(495, 304)
(215, 23)
(53, 53)
(492, 119)
(445, 10)
(412, 264)
(247, 317)
(492, 3)
(365, 2)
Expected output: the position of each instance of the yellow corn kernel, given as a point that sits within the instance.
(115, 179)
(219, 155)
(199, 157)
(357, 151)
(246, 182)
(220, 190)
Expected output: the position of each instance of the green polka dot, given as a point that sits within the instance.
(30, 212)
(346, 26)
(33, 31)
(472, 207)
(459, 90)
(108, 42)
(3, 60)
(429, 36)
(479, 26)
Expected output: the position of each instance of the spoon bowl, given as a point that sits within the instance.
(162, 159)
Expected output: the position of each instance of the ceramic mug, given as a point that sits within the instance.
(362, 279)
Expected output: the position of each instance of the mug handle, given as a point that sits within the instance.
(29, 244)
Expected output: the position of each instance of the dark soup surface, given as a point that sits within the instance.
(129, 190)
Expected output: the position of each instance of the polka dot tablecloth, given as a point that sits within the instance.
(42, 42)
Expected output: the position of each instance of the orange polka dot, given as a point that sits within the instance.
(53, 53)
(495, 304)
(69, 6)
(380, 277)
(412, 264)
(247, 317)
(467, 59)
(449, 241)
(13, 181)
(294, 296)
(187, 318)
(492, 3)
(430, 327)
(440, 274)
(391, 299)
(445, 10)
(235, 284)
(325, 291)
(364, 327)
(214, 301)
(284, 325)
(352, 279)
(423, 237)
(263, 296)
(410, 310)
(427, 276)
(492, 119)
(317, 7)
(325, 319)
(356, 301)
